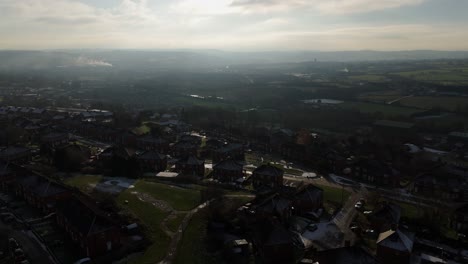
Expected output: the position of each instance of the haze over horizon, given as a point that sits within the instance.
(235, 25)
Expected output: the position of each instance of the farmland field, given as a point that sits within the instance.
(368, 78)
(427, 102)
(443, 76)
(386, 110)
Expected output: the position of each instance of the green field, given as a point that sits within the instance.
(427, 102)
(368, 78)
(179, 198)
(192, 247)
(175, 222)
(141, 130)
(335, 195)
(151, 217)
(386, 110)
(83, 182)
(443, 76)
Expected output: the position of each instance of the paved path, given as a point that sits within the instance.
(177, 236)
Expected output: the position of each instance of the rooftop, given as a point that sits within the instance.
(394, 124)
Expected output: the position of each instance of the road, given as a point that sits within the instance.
(34, 250)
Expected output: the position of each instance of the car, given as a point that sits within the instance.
(358, 205)
(367, 212)
(370, 231)
(83, 261)
(460, 235)
(13, 243)
(312, 227)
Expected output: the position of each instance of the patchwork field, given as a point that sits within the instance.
(451, 103)
(386, 110)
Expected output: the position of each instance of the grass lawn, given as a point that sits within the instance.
(386, 110)
(143, 129)
(411, 211)
(368, 78)
(438, 75)
(179, 198)
(333, 194)
(174, 223)
(83, 182)
(151, 217)
(288, 171)
(428, 102)
(192, 247)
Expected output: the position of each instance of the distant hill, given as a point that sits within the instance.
(186, 59)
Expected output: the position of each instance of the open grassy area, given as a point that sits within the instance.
(427, 102)
(174, 223)
(83, 182)
(192, 247)
(368, 78)
(386, 110)
(411, 211)
(179, 198)
(143, 129)
(151, 217)
(288, 170)
(444, 76)
(335, 195)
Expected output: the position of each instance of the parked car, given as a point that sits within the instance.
(312, 227)
(358, 205)
(13, 244)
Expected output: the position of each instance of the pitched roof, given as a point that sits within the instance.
(396, 239)
(309, 193)
(275, 204)
(230, 164)
(41, 186)
(84, 216)
(152, 155)
(268, 170)
(346, 255)
(191, 160)
(394, 124)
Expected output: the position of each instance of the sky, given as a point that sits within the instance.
(235, 25)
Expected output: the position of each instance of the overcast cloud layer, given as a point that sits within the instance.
(235, 24)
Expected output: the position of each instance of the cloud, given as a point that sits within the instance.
(324, 6)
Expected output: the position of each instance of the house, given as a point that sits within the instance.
(375, 172)
(152, 161)
(458, 137)
(71, 157)
(394, 128)
(194, 139)
(308, 199)
(90, 228)
(274, 244)
(440, 185)
(119, 161)
(191, 166)
(15, 154)
(230, 151)
(394, 247)
(184, 148)
(385, 216)
(344, 255)
(267, 176)
(54, 139)
(276, 206)
(228, 171)
(41, 192)
(237, 251)
(459, 219)
(7, 174)
(153, 143)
